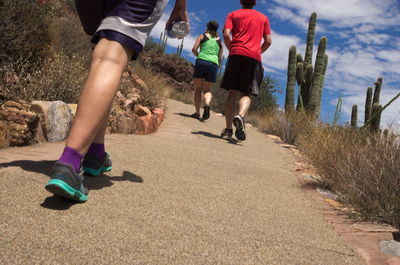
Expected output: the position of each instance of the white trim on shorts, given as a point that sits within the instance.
(137, 31)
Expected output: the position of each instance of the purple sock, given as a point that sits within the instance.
(72, 157)
(97, 150)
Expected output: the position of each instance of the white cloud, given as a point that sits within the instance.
(345, 13)
(276, 57)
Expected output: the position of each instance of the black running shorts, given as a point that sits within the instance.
(244, 74)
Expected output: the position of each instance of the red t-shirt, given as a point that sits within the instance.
(248, 27)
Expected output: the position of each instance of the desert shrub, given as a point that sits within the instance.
(290, 127)
(363, 169)
(43, 51)
(24, 31)
(158, 87)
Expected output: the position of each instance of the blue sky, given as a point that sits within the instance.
(363, 44)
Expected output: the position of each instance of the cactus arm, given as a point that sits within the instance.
(291, 80)
(376, 119)
(318, 110)
(354, 116)
(368, 105)
(337, 111)
(375, 114)
(377, 92)
(317, 79)
(310, 39)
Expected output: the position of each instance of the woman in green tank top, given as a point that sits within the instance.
(206, 68)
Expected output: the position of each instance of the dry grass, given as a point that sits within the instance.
(158, 87)
(363, 169)
(291, 128)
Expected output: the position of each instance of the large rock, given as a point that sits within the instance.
(58, 122)
(19, 125)
(56, 117)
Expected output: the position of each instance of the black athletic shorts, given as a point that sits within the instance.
(244, 74)
(206, 70)
(128, 22)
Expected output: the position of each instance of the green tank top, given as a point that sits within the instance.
(209, 49)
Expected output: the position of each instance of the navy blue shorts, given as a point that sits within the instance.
(128, 22)
(206, 70)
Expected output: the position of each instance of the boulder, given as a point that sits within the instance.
(59, 121)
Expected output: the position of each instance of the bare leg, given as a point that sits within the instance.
(229, 107)
(100, 136)
(108, 62)
(244, 104)
(207, 92)
(197, 93)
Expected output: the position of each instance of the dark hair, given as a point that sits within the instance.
(247, 6)
(248, 3)
(212, 28)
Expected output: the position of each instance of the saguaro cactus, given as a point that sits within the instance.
(163, 41)
(368, 105)
(310, 40)
(337, 111)
(354, 116)
(180, 48)
(318, 77)
(376, 120)
(377, 92)
(289, 100)
(309, 79)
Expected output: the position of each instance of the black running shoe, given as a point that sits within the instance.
(196, 116)
(65, 182)
(206, 113)
(240, 132)
(226, 133)
(94, 166)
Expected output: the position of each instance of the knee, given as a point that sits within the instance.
(110, 52)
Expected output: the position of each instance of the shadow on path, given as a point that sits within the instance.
(42, 167)
(188, 116)
(92, 183)
(211, 135)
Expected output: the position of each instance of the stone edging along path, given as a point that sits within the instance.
(23, 123)
(367, 238)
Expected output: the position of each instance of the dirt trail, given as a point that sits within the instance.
(179, 196)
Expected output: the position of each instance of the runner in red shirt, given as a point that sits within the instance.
(244, 72)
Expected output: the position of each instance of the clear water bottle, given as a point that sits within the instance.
(178, 29)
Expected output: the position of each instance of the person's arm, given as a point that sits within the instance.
(227, 38)
(178, 13)
(267, 42)
(197, 45)
(220, 55)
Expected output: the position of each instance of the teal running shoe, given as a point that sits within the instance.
(65, 182)
(94, 166)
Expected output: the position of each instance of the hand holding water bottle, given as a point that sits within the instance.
(178, 23)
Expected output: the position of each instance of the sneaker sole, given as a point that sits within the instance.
(62, 189)
(96, 172)
(239, 133)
